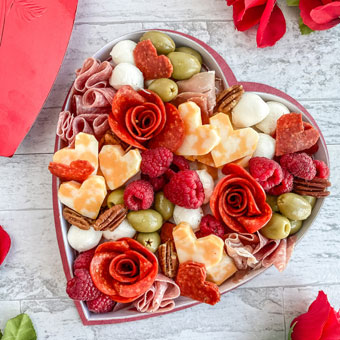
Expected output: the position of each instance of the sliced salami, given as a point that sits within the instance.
(78, 170)
(95, 98)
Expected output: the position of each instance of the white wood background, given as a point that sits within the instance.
(32, 279)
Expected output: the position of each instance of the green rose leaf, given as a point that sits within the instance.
(293, 2)
(19, 328)
(291, 331)
(304, 29)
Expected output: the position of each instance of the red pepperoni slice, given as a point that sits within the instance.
(191, 279)
(152, 65)
(293, 135)
(172, 135)
(123, 269)
(78, 170)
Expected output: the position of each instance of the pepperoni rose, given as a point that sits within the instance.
(139, 116)
(123, 269)
(239, 201)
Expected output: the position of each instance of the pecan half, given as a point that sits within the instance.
(111, 139)
(111, 218)
(168, 259)
(315, 187)
(228, 99)
(76, 219)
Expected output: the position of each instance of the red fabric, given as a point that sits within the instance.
(320, 14)
(320, 322)
(5, 244)
(272, 24)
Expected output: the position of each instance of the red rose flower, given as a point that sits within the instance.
(320, 14)
(239, 201)
(266, 13)
(321, 322)
(123, 269)
(5, 244)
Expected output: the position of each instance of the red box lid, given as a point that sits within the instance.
(33, 40)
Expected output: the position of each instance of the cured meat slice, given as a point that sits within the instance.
(159, 297)
(93, 74)
(203, 83)
(78, 170)
(123, 269)
(172, 135)
(95, 98)
(152, 65)
(79, 108)
(64, 126)
(191, 279)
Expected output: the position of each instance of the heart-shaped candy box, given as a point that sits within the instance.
(213, 61)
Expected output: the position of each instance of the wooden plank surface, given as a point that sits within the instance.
(32, 279)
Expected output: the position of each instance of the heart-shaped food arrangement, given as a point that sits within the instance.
(174, 183)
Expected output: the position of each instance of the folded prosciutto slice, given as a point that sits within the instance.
(202, 83)
(159, 297)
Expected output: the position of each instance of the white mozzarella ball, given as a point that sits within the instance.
(276, 110)
(265, 146)
(126, 74)
(191, 216)
(82, 240)
(125, 229)
(122, 52)
(208, 184)
(250, 110)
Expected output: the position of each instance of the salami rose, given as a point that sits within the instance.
(239, 201)
(123, 269)
(137, 117)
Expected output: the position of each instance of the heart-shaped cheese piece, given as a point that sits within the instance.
(118, 167)
(235, 144)
(250, 110)
(208, 250)
(86, 149)
(86, 198)
(198, 139)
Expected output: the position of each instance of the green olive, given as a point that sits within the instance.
(190, 51)
(272, 201)
(277, 228)
(185, 65)
(311, 200)
(294, 206)
(164, 206)
(167, 89)
(296, 226)
(149, 240)
(116, 197)
(163, 43)
(145, 221)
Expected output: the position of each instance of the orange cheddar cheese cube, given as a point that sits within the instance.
(118, 167)
(198, 139)
(86, 148)
(85, 198)
(234, 144)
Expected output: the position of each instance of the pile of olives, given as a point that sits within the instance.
(289, 210)
(186, 62)
(146, 222)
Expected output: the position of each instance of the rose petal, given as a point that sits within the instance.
(272, 25)
(326, 14)
(331, 331)
(5, 244)
(310, 325)
(307, 6)
(245, 19)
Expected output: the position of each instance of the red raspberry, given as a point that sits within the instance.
(157, 182)
(84, 259)
(138, 195)
(285, 186)
(266, 171)
(299, 165)
(210, 225)
(102, 304)
(81, 287)
(156, 161)
(322, 170)
(179, 163)
(185, 189)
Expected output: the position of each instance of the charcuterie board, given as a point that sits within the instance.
(137, 157)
